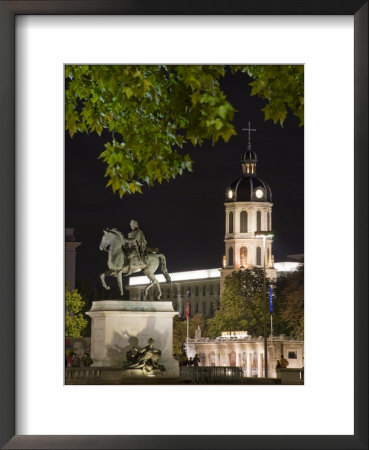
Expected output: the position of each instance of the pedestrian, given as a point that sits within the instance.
(196, 360)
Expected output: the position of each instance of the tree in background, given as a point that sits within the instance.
(75, 323)
(152, 111)
(241, 304)
(180, 331)
(290, 303)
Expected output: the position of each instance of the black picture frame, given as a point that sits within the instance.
(8, 11)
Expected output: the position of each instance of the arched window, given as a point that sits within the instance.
(230, 256)
(232, 358)
(258, 256)
(243, 222)
(268, 221)
(243, 256)
(258, 221)
(230, 227)
(212, 359)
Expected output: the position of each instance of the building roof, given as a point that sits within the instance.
(244, 189)
(205, 274)
(189, 275)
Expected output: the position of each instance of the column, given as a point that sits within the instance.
(260, 365)
(249, 364)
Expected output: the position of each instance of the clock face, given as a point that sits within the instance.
(259, 193)
(230, 193)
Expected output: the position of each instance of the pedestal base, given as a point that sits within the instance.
(119, 326)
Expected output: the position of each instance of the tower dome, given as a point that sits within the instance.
(249, 157)
(249, 187)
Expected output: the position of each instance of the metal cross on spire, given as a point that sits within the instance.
(249, 129)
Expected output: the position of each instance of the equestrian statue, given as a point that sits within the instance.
(130, 255)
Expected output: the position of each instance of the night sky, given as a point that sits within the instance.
(185, 217)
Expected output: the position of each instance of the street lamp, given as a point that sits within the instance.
(264, 235)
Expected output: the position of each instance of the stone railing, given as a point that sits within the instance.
(81, 372)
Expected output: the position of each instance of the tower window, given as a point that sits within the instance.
(230, 256)
(243, 222)
(258, 221)
(268, 221)
(203, 308)
(258, 256)
(243, 256)
(230, 227)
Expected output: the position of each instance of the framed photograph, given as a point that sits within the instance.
(39, 409)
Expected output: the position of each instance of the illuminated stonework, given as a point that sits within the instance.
(248, 211)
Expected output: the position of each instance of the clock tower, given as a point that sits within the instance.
(248, 210)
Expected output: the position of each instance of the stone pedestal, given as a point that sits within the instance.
(118, 326)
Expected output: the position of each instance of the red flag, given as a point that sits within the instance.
(188, 305)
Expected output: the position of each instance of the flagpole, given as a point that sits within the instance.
(188, 319)
(187, 336)
(271, 310)
(271, 326)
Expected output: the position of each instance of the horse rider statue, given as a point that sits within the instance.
(136, 246)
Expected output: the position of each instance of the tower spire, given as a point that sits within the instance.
(249, 129)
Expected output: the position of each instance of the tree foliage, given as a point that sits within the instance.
(241, 304)
(75, 323)
(290, 298)
(148, 113)
(242, 308)
(180, 331)
(281, 86)
(151, 111)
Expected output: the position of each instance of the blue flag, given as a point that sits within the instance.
(271, 300)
